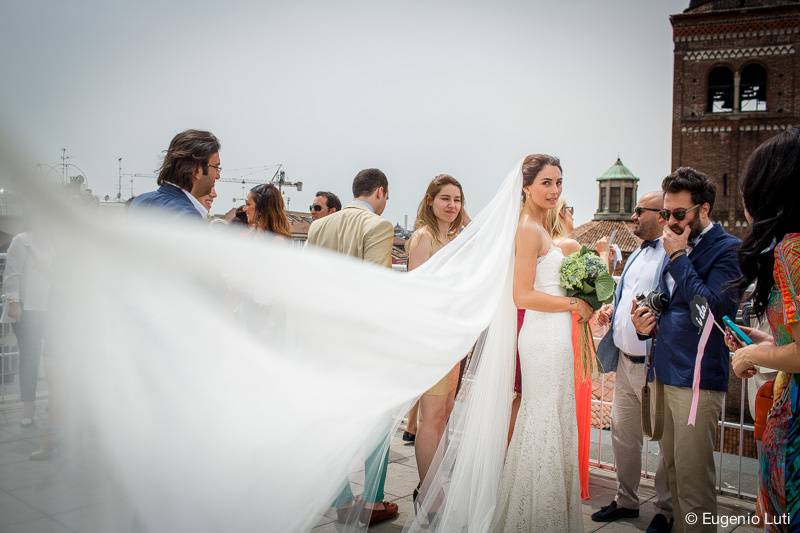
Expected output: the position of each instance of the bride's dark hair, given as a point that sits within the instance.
(533, 164)
(770, 188)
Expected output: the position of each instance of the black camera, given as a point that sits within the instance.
(655, 301)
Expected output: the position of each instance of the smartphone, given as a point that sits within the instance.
(738, 333)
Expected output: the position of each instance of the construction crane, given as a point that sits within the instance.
(278, 179)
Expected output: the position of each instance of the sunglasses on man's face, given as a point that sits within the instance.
(678, 214)
(315, 207)
(640, 210)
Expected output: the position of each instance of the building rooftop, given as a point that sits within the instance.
(299, 223)
(588, 234)
(706, 6)
(617, 171)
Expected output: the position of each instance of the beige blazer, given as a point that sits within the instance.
(357, 232)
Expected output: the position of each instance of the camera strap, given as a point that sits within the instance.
(652, 402)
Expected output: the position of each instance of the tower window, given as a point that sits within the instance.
(615, 192)
(724, 185)
(603, 202)
(720, 90)
(628, 199)
(753, 91)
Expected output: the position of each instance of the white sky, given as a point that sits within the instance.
(328, 88)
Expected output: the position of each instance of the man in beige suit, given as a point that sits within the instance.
(359, 231)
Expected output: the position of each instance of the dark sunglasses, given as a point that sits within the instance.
(640, 210)
(315, 207)
(570, 209)
(677, 214)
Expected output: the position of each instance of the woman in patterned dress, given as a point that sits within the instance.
(770, 257)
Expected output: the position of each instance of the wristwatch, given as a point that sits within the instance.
(573, 301)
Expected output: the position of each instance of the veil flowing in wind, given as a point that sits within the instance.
(198, 376)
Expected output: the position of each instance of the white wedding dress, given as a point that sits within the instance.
(539, 488)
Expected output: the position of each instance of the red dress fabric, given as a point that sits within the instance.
(583, 410)
(518, 373)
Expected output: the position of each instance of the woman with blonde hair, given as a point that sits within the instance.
(440, 217)
(560, 225)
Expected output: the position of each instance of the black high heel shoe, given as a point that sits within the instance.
(414, 498)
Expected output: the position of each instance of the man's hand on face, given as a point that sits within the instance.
(674, 242)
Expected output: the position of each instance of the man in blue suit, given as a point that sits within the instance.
(190, 169)
(701, 259)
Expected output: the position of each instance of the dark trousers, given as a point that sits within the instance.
(29, 330)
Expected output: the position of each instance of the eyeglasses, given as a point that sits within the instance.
(219, 168)
(315, 207)
(677, 214)
(569, 209)
(640, 210)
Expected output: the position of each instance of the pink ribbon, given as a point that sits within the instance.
(701, 348)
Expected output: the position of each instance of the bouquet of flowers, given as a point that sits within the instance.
(585, 276)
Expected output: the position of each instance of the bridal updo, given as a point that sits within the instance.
(533, 164)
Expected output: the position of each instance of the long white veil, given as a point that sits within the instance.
(200, 375)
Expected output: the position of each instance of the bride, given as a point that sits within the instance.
(539, 486)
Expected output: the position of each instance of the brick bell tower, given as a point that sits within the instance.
(736, 76)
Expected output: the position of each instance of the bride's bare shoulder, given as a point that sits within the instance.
(532, 236)
(530, 229)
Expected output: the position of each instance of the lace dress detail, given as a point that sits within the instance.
(539, 489)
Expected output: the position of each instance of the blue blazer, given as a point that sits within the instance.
(607, 351)
(708, 271)
(167, 198)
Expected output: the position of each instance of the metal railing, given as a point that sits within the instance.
(9, 354)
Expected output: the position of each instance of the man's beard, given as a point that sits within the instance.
(695, 229)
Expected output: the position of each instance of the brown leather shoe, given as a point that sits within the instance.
(376, 516)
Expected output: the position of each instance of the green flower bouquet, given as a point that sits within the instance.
(585, 276)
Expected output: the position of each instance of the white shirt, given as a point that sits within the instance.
(640, 277)
(195, 202)
(670, 281)
(197, 205)
(362, 203)
(27, 272)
